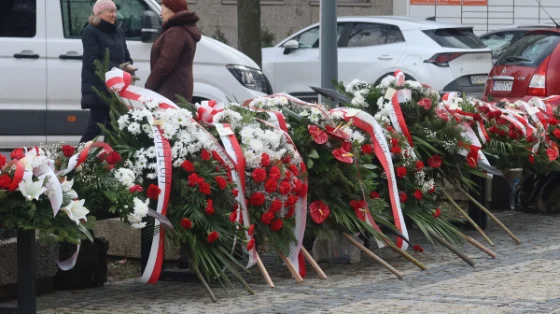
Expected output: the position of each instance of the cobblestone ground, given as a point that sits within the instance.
(523, 279)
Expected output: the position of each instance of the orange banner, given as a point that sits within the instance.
(450, 2)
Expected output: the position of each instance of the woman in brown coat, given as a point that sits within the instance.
(172, 54)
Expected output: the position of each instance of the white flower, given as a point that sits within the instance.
(355, 83)
(123, 121)
(134, 128)
(337, 115)
(359, 100)
(388, 81)
(76, 211)
(358, 137)
(67, 188)
(125, 176)
(140, 207)
(138, 225)
(31, 190)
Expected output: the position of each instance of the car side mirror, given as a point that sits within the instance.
(151, 25)
(290, 46)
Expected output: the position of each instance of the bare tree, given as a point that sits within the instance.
(249, 28)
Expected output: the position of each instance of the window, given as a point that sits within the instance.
(310, 38)
(455, 38)
(369, 34)
(530, 51)
(498, 42)
(18, 18)
(75, 14)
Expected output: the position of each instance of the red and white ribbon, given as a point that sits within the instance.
(206, 110)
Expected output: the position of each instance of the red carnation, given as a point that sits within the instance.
(257, 199)
(276, 206)
(401, 172)
(270, 186)
(303, 190)
(418, 195)
(419, 165)
(274, 173)
(5, 181)
(213, 236)
(477, 117)
(193, 179)
(113, 158)
(68, 151)
(265, 160)
(204, 187)
(153, 191)
(493, 129)
(512, 134)
(276, 225)
(396, 150)
(287, 158)
(394, 141)
(290, 212)
(292, 200)
(293, 168)
(250, 244)
(367, 149)
(284, 188)
(222, 183)
(374, 195)
(188, 166)
(403, 197)
(267, 217)
(17, 154)
(437, 212)
(553, 121)
(2, 161)
(434, 161)
(251, 230)
(205, 155)
(135, 188)
(259, 175)
(297, 186)
(319, 211)
(216, 156)
(233, 216)
(209, 210)
(186, 223)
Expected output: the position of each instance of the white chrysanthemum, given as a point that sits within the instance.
(123, 122)
(125, 176)
(338, 115)
(358, 137)
(359, 100)
(134, 128)
(350, 88)
(388, 81)
(414, 84)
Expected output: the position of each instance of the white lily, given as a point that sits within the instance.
(76, 211)
(67, 189)
(31, 190)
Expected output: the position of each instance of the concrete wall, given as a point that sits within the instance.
(282, 17)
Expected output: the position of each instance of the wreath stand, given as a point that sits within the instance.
(26, 275)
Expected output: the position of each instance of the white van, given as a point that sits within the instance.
(40, 66)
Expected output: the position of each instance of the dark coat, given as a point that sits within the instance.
(172, 57)
(96, 41)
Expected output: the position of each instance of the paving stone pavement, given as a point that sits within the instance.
(523, 279)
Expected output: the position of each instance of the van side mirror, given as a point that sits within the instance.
(151, 25)
(290, 46)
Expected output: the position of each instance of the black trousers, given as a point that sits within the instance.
(96, 116)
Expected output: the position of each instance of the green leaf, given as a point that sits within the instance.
(309, 163)
(111, 195)
(85, 232)
(369, 166)
(313, 154)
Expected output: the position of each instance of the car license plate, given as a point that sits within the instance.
(478, 79)
(502, 86)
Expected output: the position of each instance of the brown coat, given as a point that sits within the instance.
(171, 60)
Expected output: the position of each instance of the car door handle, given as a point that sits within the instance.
(26, 56)
(385, 57)
(70, 57)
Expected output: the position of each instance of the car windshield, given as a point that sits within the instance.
(530, 50)
(455, 38)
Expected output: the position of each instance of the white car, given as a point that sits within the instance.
(41, 61)
(446, 57)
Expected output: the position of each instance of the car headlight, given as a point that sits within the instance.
(251, 78)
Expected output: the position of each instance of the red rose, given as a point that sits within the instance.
(367, 149)
(259, 175)
(235, 192)
(396, 150)
(5, 181)
(2, 161)
(68, 151)
(512, 134)
(205, 155)
(233, 216)
(502, 133)
(213, 236)
(251, 230)
(188, 166)
(418, 195)
(477, 117)
(401, 172)
(193, 179)
(153, 191)
(209, 210)
(403, 197)
(270, 186)
(276, 225)
(303, 190)
(135, 188)
(284, 188)
(276, 206)
(267, 217)
(434, 161)
(374, 195)
(113, 158)
(319, 211)
(292, 200)
(17, 154)
(250, 244)
(204, 187)
(222, 183)
(257, 199)
(274, 173)
(265, 160)
(437, 212)
(418, 248)
(419, 165)
(186, 223)
(484, 109)
(493, 129)
(291, 212)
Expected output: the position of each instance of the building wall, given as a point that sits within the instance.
(282, 17)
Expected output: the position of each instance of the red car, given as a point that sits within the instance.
(529, 68)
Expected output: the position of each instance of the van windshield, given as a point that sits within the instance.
(531, 50)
